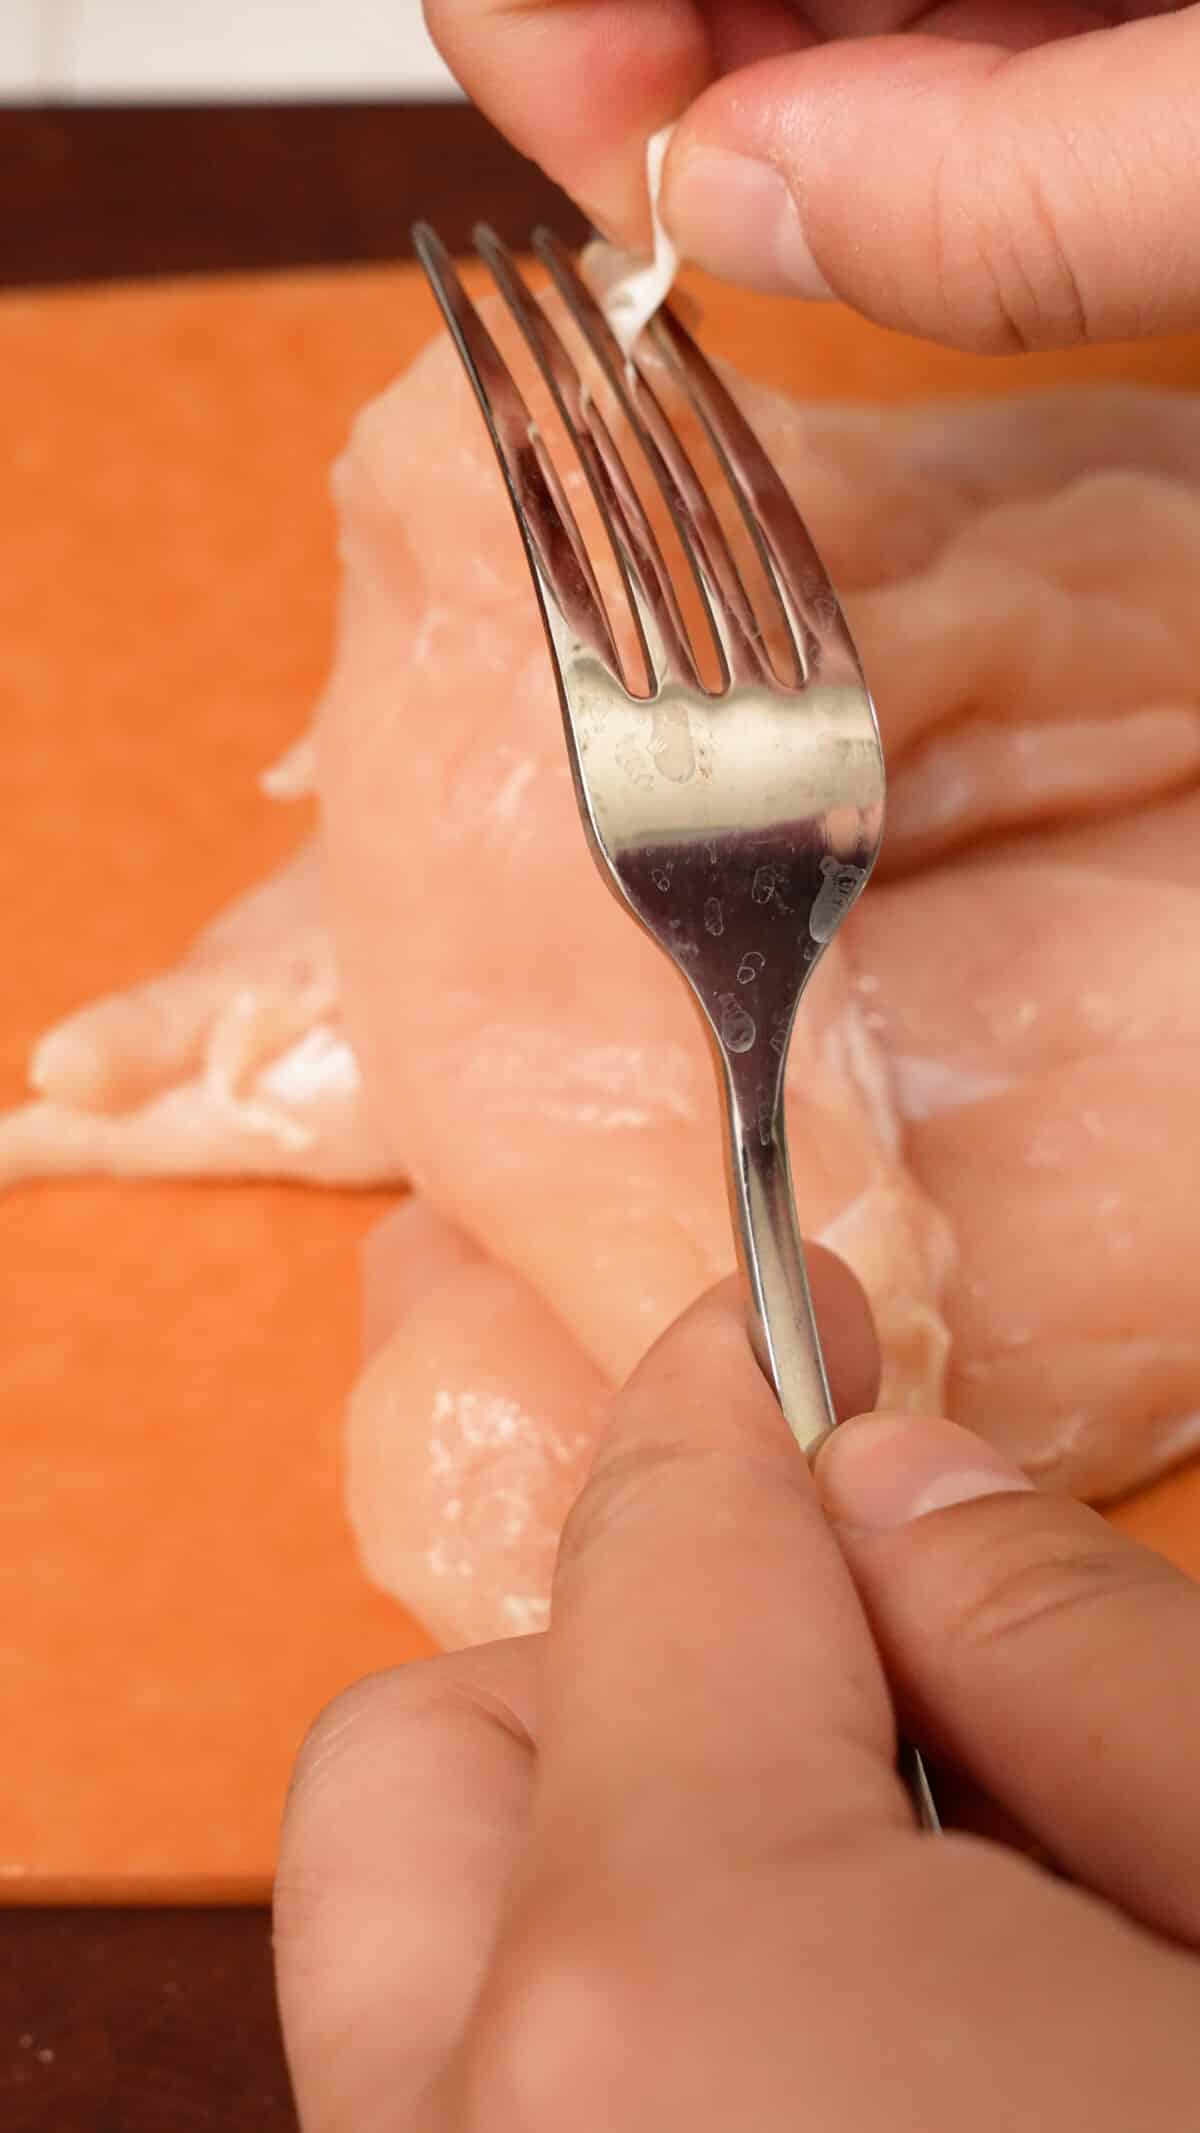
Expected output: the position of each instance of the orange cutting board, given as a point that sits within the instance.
(178, 1588)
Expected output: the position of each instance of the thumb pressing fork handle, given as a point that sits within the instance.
(782, 1323)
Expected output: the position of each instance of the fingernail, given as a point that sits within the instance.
(886, 1470)
(737, 218)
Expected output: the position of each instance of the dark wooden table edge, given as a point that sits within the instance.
(130, 192)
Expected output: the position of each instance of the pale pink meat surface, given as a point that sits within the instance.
(233, 1063)
(534, 1066)
(991, 1088)
(469, 1432)
(1001, 1043)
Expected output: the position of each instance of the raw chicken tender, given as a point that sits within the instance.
(232, 1064)
(990, 1089)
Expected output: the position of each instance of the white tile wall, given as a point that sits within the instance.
(16, 47)
(96, 51)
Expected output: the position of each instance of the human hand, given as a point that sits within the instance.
(996, 176)
(655, 1868)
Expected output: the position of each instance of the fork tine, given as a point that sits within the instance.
(572, 608)
(644, 573)
(709, 557)
(808, 599)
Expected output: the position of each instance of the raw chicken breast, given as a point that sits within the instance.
(469, 1432)
(1021, 581)
(990, 1085)
(536, 1067)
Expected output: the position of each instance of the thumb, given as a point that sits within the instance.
(1044, 1655)
(992, 199)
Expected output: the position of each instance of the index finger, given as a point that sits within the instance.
(579, 86)
(711, 1687)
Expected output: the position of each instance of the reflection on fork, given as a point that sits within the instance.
(728, 770)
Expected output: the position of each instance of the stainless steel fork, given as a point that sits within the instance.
(737, 824)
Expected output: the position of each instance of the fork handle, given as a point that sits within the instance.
(782, 1323)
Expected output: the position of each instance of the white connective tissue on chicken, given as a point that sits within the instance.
(632, 289)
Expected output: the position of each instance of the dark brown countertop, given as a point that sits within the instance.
(106, 193)
(139, 2022)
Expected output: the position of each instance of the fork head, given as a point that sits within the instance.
(737, 820)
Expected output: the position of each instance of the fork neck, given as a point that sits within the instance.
(780, 1315)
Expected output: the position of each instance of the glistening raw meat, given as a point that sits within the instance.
(234, 1063)
(992, 1084)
